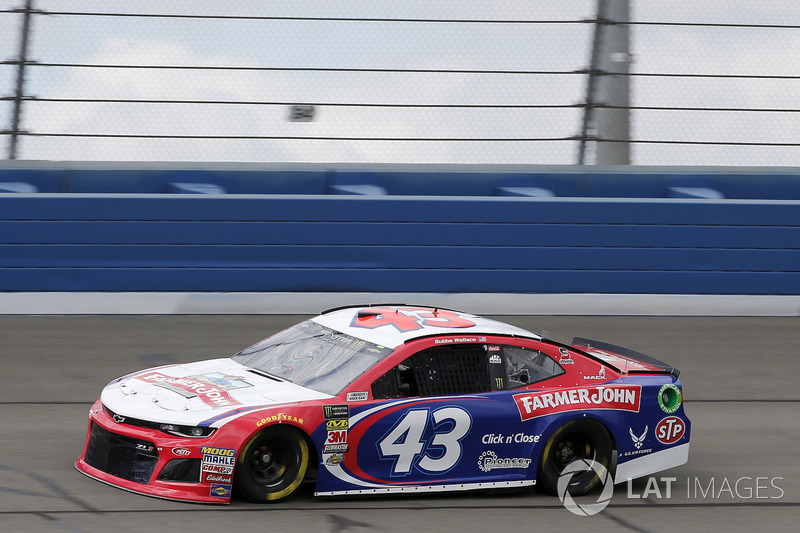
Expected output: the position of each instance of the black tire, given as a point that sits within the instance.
(272, 465)
(578, 439)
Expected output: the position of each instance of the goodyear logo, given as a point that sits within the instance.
(333, 425)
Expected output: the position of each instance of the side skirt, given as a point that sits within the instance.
(432, 488)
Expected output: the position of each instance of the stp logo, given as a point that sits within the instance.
(670, 430)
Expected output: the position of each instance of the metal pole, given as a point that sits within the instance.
(588, 110)
(613, 87)
(607, 105)
(23, 59)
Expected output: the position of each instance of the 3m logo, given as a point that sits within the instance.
(337, 437)
(408, 318)
(670, 430)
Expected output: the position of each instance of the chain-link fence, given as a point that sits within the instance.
(712, 83)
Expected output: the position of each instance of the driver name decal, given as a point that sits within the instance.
(611, 397)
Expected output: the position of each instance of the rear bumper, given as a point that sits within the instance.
(652, 463)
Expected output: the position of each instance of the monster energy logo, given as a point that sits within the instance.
(499, 382)
(335, 412)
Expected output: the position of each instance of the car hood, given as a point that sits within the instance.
(190, 393)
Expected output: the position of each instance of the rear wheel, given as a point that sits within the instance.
(577, 440)
(272, 465)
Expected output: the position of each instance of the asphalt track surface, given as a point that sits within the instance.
(740, 380)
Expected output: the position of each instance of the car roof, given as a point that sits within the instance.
(394, 325)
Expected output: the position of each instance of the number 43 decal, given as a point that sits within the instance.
(405, 445)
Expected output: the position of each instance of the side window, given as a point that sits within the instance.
(525, 366)
(438, 371)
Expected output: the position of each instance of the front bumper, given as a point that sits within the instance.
(149, 462)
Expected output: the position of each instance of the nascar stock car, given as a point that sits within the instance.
(382, 399)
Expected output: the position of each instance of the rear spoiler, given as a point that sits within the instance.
(629, 354)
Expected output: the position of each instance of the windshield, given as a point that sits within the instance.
(313, 356)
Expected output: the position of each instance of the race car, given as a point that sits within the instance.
(382, 399)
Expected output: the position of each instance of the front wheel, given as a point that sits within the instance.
(583, 439)
(272, 465)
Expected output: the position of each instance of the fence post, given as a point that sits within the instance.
(20, 87)
(607, 107)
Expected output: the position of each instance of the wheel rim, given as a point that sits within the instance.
(570, 448)
(271, 463)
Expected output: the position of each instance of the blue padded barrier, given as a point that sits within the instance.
(17, 187)
(428, 180)
(329, 243)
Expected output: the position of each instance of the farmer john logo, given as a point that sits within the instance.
(336, 412)
(202, 387)
(223, 381)
(612, 397)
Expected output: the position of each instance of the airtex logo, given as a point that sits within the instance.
(612, 397)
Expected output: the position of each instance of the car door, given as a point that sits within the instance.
(442, 417)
